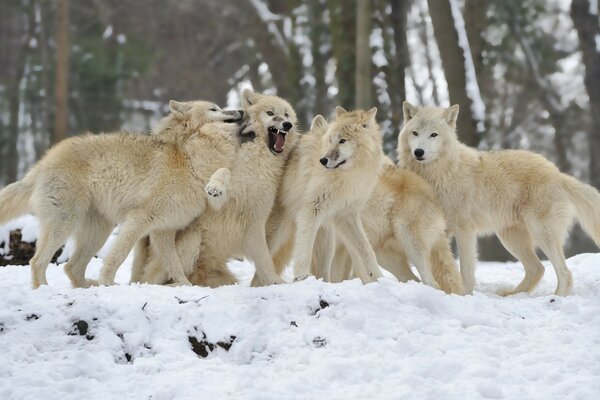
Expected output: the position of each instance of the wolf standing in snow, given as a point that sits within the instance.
(87, 184)
(328, 180)
(519, 195)
(405, 221)
(238, 229)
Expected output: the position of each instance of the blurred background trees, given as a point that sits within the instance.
(525, 73)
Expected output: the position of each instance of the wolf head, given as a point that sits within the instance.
(186, 118)
(353, 139)
(271, 119)
(198, 113)
(427, 132)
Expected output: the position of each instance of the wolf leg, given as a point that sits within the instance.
(217, 187)
(164, 244)
(89, 238)
(324, 250)
(256, 249)
(135, 226)
(307, 225)
(351, 231)
(466, 241)
(140, 257)
(517, 241)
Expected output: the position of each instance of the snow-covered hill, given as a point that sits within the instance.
(307, 340)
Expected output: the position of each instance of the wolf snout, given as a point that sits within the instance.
(323, 161)
(287, 126)
(419, 153)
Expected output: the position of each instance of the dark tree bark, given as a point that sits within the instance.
(317, 38)
(588, 31)
(453, 62)
(363, 56)
(397, 76)
(342, 16)
(61, 85)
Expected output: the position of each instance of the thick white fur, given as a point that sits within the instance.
(404, 221)
(238, 229)
(313, 195)
(519, 195)
(86, 185)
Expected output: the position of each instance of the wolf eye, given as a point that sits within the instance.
(286, 115)
(433, 134)
(415, 133)
(342, 141)
(270, 113)
(364, 125)
(213, 109)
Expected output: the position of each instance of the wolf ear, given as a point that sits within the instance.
(179, 109)
(451, 115)
(319, 125)
(409, 111)
(371, 114)
(340, 111)
(249, 98)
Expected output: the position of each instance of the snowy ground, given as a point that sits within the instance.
(307, 340)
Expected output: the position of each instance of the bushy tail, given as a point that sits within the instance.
(587, 205)
(14, 200)
(445, 271)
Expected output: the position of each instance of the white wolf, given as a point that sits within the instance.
(86, 185)
(238, 229)
(519, 195)
(328, 180)
(405, 221)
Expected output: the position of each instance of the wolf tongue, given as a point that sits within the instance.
(279, 141)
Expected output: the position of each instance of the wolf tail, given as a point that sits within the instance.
(587, 206)
(14, 199)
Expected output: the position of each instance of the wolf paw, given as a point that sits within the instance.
(301, 277)
(214, 189)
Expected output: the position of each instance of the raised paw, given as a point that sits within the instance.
(214, 189)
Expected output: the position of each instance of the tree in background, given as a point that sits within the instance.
(585, 19)
(61, 84)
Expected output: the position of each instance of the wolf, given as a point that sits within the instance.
(518, 195)
(404, 221)
(238, 228)
(86, 185)
(328, 180)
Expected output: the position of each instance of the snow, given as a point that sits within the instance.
(593, 7)
(306, 340)
(478, 106)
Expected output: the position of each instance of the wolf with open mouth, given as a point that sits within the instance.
(267, 136)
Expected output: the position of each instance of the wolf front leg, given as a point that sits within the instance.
(323, 252)
(256, 249)
(217, 187)
(140, 257)
(466, 242)
(307, 225)
(353, 235)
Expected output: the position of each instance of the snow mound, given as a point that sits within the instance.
(307, 340)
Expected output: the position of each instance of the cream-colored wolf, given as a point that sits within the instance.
(237, 229)
(328, 180)
(405, 221)
(519, 195)
(85, 185)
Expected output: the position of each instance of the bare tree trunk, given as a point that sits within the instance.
(61, 93)
(317, 29)
(343, 31)
(454, 59)
(363, 56)
(402, 63)
(423, 34)
(588, 31)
